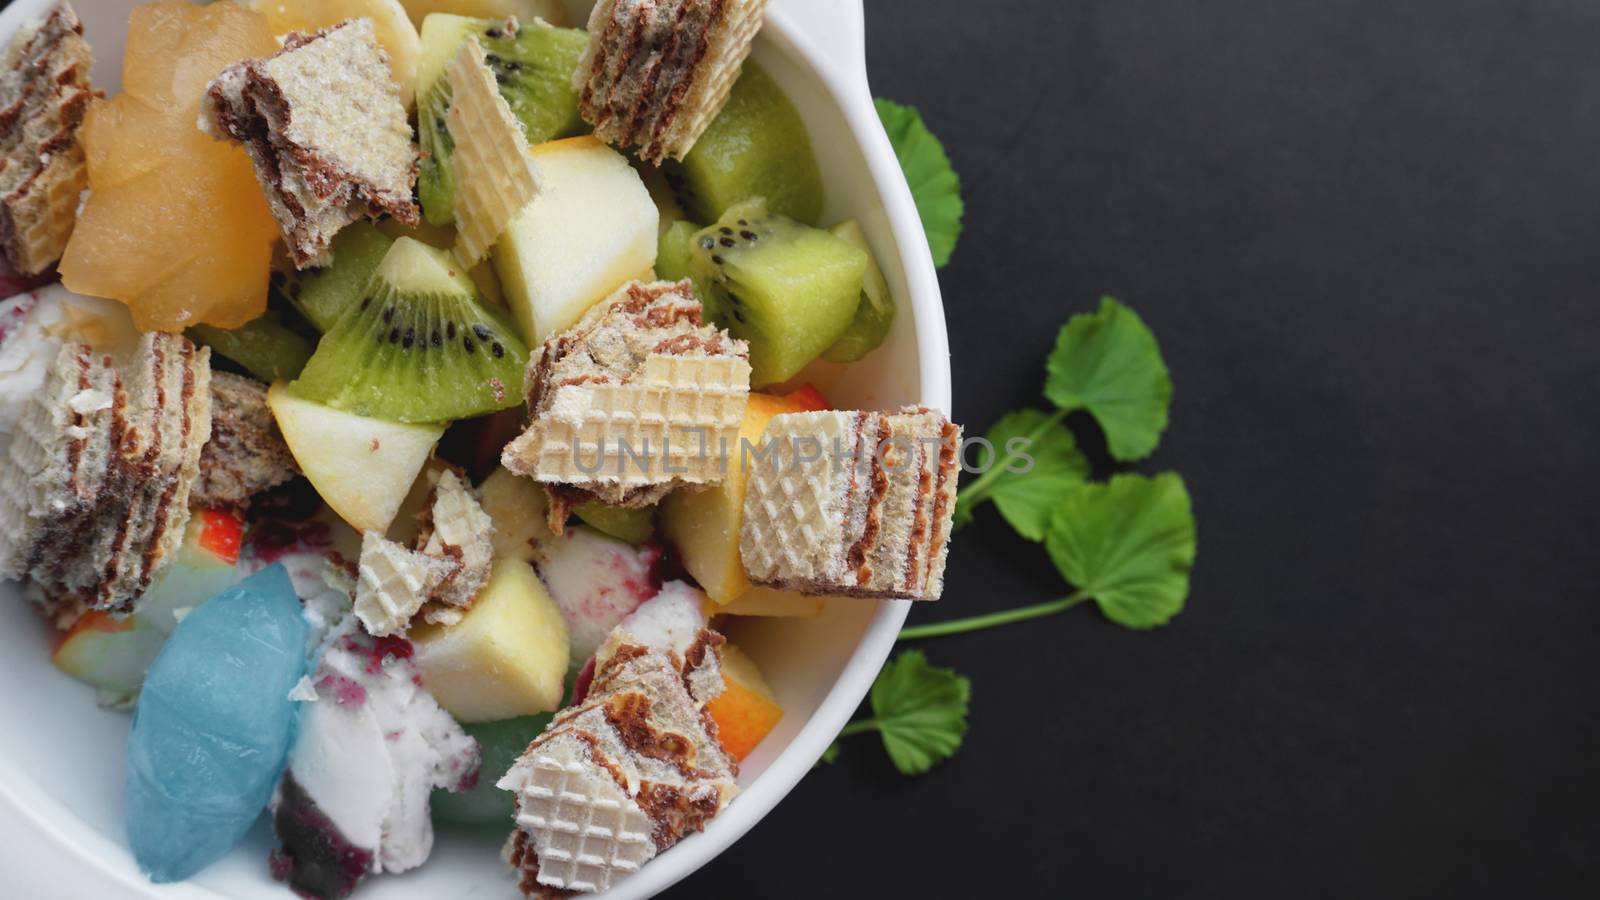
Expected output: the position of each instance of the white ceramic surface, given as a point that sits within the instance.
(61, 758)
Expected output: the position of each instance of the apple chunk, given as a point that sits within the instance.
(362, 467)
(114, 654)
(591, 228)
(507, 657)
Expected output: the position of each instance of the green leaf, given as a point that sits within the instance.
(1109, 364)
(1037, 442)
(1129, 544)
(934, 184)
(920, 710)
(830, 755)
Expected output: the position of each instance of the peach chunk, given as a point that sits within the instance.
(175, 225)
(745, 711)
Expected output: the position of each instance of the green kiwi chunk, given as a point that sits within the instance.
(265, 347)
(533, 66)
(322, 295)
(675, 257)
(788, 289)
(756, 147)
(418, 347)
(625, 524)
(876, 312)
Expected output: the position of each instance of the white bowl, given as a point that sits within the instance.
(61, 758)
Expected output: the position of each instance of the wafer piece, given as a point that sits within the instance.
(460, 531)
(494, 174)
(108, 455)
(58, 459)
(656, 72)
(245, 455)
(323, 123)
(638, 398)
(852, 503)
(44, 94)
(165, 425)
(393, 583)
(623, 775)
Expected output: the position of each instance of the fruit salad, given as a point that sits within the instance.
(389, 413)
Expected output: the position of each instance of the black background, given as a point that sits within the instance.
(1367, 235)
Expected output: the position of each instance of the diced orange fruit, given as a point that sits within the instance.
(745, 711)
(176, 226)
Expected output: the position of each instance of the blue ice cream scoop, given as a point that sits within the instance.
(212, 730)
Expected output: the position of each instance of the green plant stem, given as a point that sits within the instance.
(973, 494)
(859, 726)
(975, 623)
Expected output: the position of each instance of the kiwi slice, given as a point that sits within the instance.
(265, 347)
(322, 295)
(675, 259)
(625, 524)
(789, 289)
(418, 347)
(756, 147)
(533, 65)
(876, 312)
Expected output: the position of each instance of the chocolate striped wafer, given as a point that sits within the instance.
(656, 72)
(44, 94)
(852, 503)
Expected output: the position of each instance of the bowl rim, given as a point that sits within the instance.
(825, 37)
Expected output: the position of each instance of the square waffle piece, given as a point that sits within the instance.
(623, 775)
(656, 72)
(638, 398)
(852, 503)
(494, 174)
(323, 123)
(44, 94)
(393, 583)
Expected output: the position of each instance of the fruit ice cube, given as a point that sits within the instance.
(213, 724)
(502, 742)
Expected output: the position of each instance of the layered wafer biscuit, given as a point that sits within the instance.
(58, 459)
(458, 530)
(624, 774)
(494, 174)
(107, 456)
(246, 454)
(393, 583)
(44, 95)
(638, 398)
(852, 503)
(324, 125)
(656, 72)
